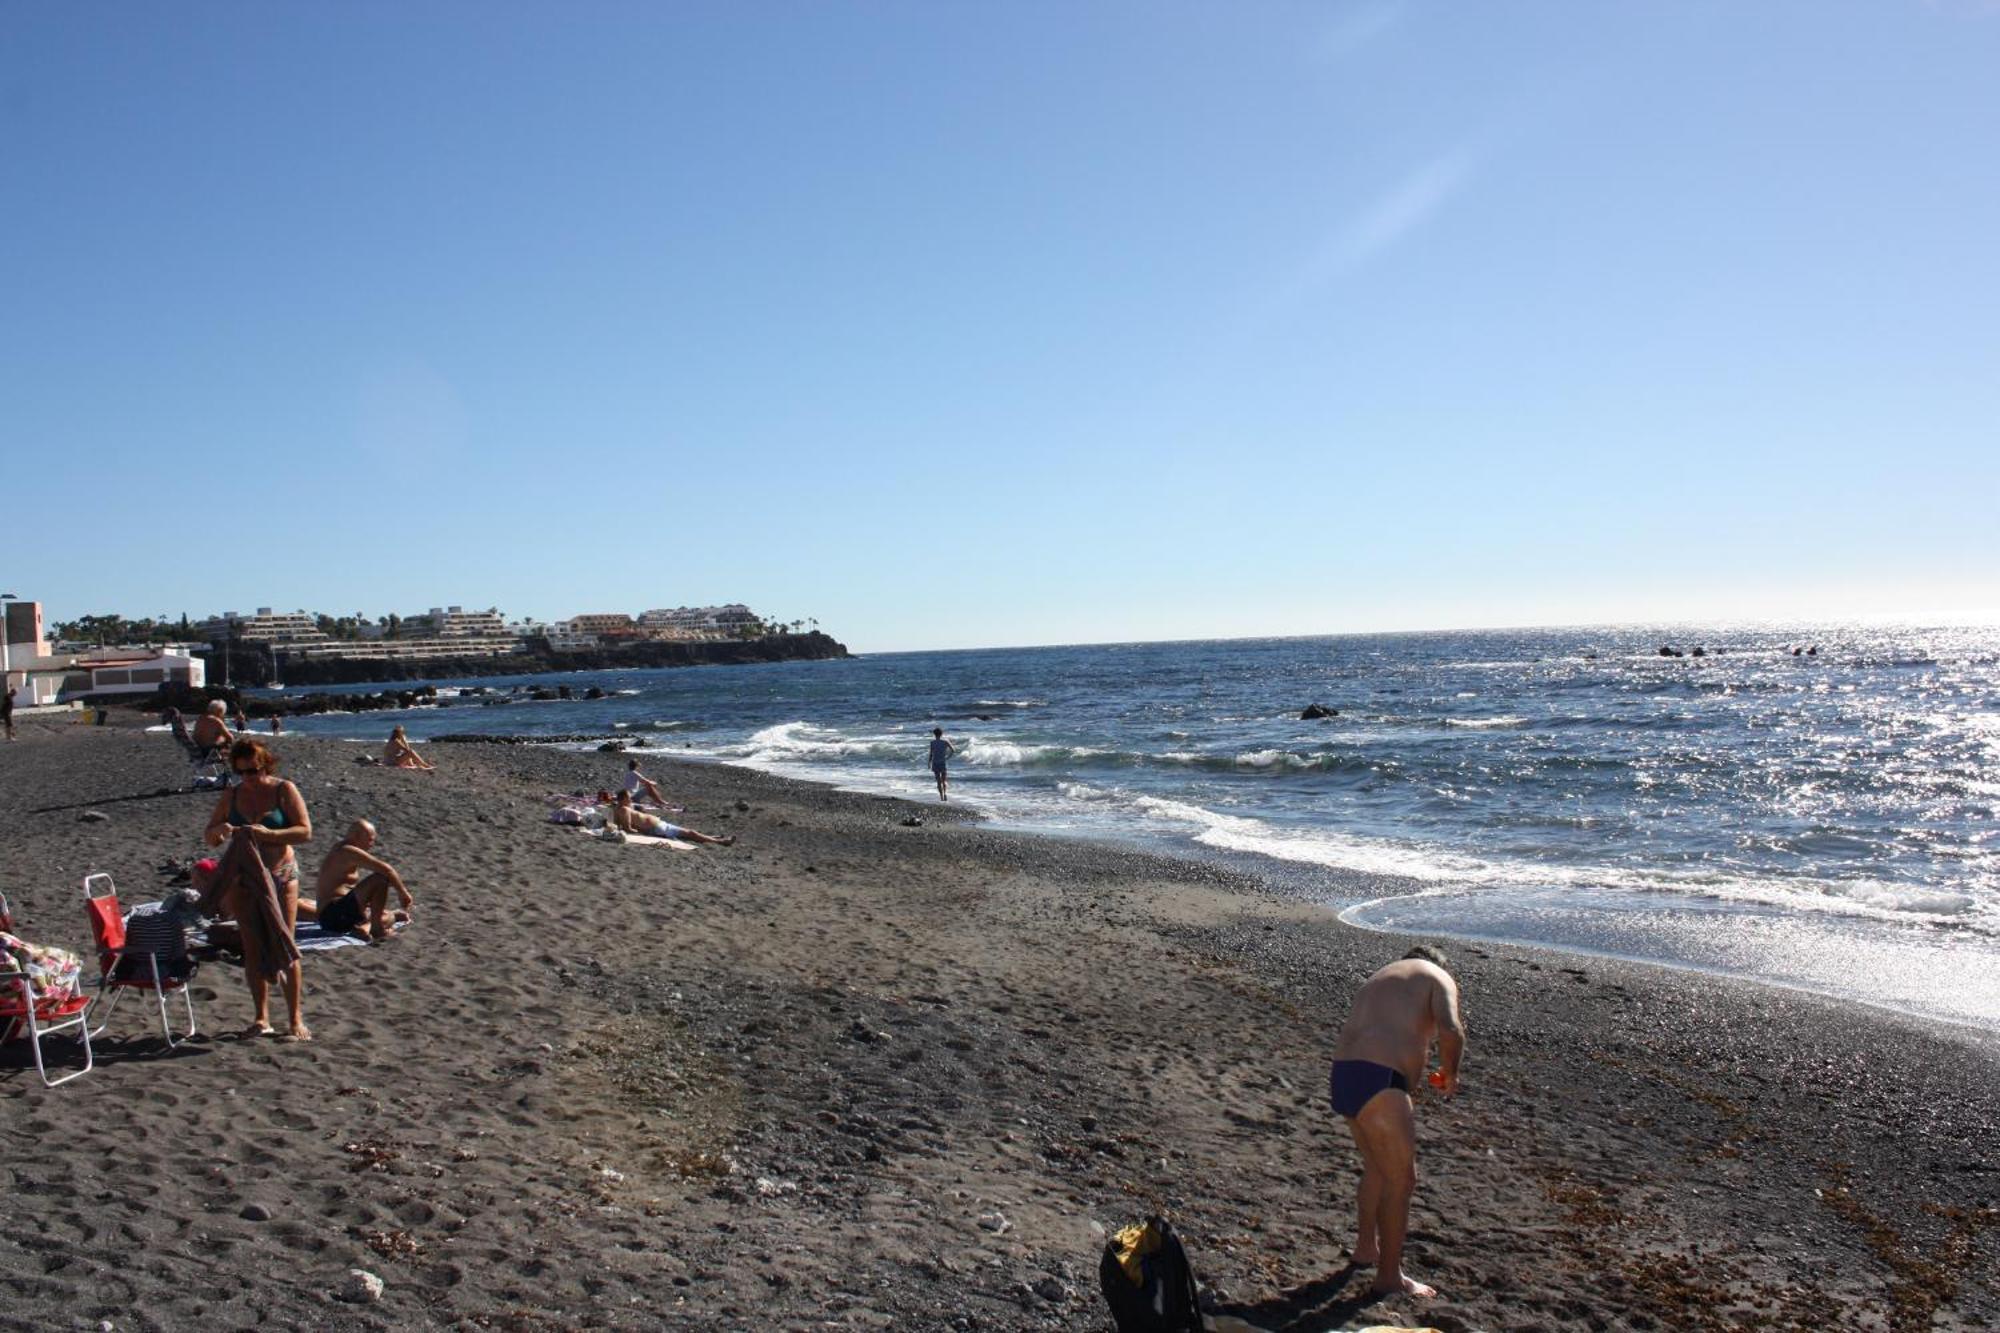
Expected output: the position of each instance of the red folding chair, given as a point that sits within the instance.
(25, 1006)
(107, 928)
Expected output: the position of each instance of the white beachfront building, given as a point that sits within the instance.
(697, 622)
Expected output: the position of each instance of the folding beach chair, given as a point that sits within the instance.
(107, 928)
(28, 1007)
(208, 770)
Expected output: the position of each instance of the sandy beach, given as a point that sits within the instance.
(856, 1073)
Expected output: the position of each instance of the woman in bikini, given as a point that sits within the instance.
(273, 815)
(399, 753)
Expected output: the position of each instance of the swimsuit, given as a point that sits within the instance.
(274, 818)
(1354, 1084)
(287, 870)
(341, 915)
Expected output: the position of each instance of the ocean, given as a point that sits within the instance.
(1816, 819)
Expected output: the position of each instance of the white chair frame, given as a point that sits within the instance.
(37, 1029)
(110, 991)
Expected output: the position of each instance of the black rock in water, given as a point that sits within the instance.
(1314, 712)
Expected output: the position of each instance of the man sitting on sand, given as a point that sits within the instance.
(652, 826)
(1381, 1054)
(351, 895)
(211, 734)
(636, 782)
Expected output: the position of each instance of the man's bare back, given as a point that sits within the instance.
(1397, 1015)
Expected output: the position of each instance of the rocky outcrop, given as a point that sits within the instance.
(727, 652)
(1314, 712)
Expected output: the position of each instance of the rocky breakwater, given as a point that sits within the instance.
(811, 647)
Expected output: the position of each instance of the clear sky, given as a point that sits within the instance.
(957, 325)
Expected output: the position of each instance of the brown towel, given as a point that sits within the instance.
(241, 865)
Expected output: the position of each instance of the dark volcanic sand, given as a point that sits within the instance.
(855, 1074)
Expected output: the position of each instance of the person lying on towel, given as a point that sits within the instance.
(652, 826)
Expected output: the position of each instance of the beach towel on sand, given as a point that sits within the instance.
(314, 938)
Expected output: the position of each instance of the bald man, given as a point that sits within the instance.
(1381, 1054)
(351, 895)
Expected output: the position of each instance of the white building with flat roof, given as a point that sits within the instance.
(267, 626)
(447, 622)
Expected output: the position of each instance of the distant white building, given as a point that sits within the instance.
(601, 623)
(120, 672)
(22, 642)
(455, 622)
(54, 678)
(267, 626)
(697, 622)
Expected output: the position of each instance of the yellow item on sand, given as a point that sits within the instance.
(1132, 1244)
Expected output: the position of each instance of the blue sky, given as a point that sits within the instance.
(957, 325)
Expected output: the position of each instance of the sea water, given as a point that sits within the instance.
(1822, 819)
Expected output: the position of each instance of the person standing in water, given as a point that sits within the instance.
(941, 750)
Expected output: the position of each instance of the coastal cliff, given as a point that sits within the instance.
(255, 666)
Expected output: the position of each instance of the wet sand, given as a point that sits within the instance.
(853, 1073)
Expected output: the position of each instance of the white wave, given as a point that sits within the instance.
(1011, 703)
(993, 754)
(1877, 899)
(1485, 723)
(794, 742)
(1278, 758)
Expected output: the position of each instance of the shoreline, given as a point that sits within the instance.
(857, 1073)
(1280, 876)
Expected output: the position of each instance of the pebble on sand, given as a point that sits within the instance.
(361, 1287)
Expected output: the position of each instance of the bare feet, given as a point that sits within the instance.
(729, 841)
(260, 1028)
(1409, 1287)
(300, 1032)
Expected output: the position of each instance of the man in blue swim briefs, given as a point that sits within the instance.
(1381, 1054)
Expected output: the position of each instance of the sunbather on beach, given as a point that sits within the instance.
(652, 826)
(637, 782)
(351, 895)
(1380, 1056)
(271, 813)
(211, 734)
(399, 753)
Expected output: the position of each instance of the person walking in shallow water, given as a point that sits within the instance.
(1381, 1054)
(941, 750)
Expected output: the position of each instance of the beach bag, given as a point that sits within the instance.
(1147, 1280)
